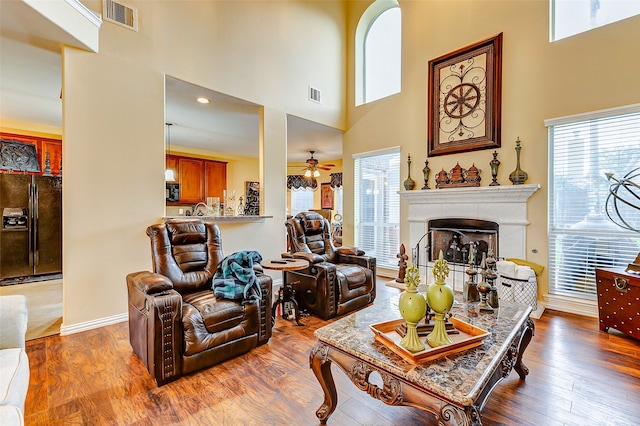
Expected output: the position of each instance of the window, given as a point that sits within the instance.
(377, 205)
(337, 197)
(378, 52)
(301, 200)
(571, 17)
(582, 236)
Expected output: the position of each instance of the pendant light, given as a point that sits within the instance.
(169, 176)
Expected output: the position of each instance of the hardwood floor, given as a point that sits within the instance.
(578, 376)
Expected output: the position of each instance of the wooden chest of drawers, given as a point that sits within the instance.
(619, 300)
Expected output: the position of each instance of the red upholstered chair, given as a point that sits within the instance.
(338, 280)
(176, 324)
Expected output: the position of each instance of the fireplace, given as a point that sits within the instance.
(505, 206)
(456, 238)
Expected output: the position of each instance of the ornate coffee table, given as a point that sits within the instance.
(453, 388)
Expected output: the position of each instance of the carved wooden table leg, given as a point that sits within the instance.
(527, 334)
(321, 366)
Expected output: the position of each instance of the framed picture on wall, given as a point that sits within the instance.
(252, 194)
(326, 196)
(464, 99)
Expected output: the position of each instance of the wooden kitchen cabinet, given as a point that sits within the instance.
(198, 178)
(191, 180)
(54, 148)
(215, 178)
(43, 145)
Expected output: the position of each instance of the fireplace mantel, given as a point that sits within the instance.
(505, 205)
(471, 195)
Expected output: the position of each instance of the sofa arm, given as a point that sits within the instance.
(309, 257)
(365, 261)
(350, 251)
(155, 324)
(265, 282)
(13, 317)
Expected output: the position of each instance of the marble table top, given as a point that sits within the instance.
(459, 377)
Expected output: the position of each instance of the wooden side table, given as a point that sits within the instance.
(287, 292)
(618, 297)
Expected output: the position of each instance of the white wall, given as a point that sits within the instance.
(113, 126)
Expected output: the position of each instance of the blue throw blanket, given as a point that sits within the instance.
(235, 278)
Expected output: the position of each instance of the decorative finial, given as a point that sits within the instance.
(440, 268)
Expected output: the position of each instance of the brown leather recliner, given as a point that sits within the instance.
(176, 324)
(337, 281)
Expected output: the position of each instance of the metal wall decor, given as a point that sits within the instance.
(465, 89)
(18, 156)
(252, 197)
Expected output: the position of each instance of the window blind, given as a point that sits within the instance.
(377, 205)
(582, 236)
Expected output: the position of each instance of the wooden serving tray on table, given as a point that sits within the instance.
(468, 337)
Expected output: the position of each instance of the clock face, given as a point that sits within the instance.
(462, 99)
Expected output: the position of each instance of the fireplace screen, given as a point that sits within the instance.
(455, 237)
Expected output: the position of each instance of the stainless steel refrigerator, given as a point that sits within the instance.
(31, 234)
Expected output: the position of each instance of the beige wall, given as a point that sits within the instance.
(541, 80)
(113, 125)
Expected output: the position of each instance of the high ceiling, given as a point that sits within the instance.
(231, 125)
(30, 90)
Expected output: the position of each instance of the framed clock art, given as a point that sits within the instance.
(464, 99)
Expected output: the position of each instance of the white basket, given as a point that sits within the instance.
(519, 290)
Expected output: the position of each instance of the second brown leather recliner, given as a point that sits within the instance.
(338, 280)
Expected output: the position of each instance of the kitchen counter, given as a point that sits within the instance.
(223, 219)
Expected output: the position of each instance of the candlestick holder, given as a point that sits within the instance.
(484, 288)
(426, 172)
(492, 297)
(494, 164)
(470, 288)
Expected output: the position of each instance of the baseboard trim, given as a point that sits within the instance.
(386, 272)
(66, 330)
(588, 308)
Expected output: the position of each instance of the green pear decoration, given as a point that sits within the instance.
(413, 308)
(440, 298)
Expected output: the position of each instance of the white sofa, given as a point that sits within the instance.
(14, 364)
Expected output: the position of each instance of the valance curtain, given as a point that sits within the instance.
(299, 182)
(336, 180)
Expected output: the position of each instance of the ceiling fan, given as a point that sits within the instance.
(312, 168)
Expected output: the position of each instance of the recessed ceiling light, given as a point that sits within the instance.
(203, 100)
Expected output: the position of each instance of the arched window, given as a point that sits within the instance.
(378, 52)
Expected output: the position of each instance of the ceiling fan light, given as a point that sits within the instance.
(316, 173)
(169, 176)
(307, 173)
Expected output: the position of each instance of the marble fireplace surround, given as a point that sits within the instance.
(505, 205)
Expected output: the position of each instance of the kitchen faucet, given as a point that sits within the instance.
(196, 212)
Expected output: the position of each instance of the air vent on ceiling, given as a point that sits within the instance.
(314, 94)
(120, 14)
